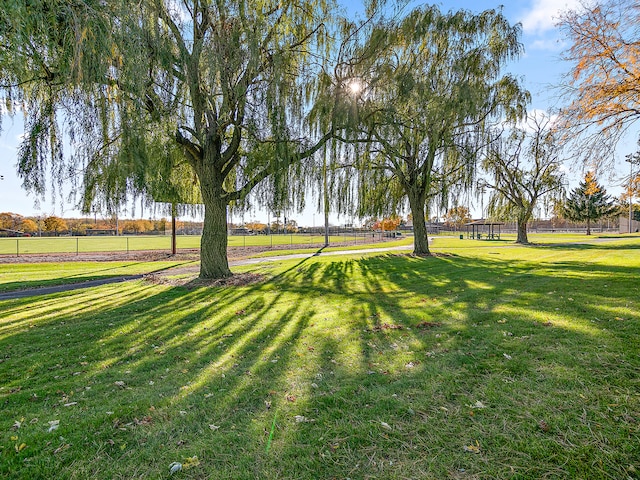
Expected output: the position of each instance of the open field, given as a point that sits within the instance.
(296, 242)
(487, 361)
(131, 243)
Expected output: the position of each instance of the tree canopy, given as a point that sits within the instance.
(158, 85)
(602, 84)
(589, 202)
(523, 167)
(424, 105)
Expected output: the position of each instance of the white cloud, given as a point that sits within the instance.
(543, 14)
(548, 44)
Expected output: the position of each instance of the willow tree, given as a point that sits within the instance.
(425, 104)
(119, 85)
(523, 167)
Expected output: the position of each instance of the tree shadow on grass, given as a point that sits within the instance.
(158, 374)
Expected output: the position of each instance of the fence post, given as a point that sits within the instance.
(77, 246)
(17, 247)
(127, 245)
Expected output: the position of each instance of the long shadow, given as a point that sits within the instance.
(79, 280)
(243, 359)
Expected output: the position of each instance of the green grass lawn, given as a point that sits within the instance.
(481, 363)
(40, 245)
(20, 276)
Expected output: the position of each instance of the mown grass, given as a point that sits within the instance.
(511, 362)
(42, 245)
(20, 276)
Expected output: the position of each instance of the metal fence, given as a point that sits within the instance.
(17, 246)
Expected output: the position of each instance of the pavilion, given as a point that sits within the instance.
(487, 229)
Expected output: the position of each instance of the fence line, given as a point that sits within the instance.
(18, 246)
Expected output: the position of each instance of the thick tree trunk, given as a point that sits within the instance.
(213, 246)
(522, 232)
(588, 226)
(420, 240)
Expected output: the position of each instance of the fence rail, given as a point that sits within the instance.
(18, 246)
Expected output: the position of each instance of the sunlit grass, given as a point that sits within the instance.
(529, 354)
(14, 276)
(132, 243)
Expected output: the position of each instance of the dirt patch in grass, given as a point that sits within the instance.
(183, 277)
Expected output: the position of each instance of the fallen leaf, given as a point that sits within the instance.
(385, 425)
(148, 420)
(119, 383)
(478, 404)
(543, 426)
(53, 425)
(429, 324)
(70, 404)
(472, 448)
(384, 326)
(507, 356)
(175, 467)
(61, 448)
(190, 462)
(20, 447)
(214, 427)
(291, 398)
(303, 419)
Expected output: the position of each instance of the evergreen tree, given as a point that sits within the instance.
(589, 202)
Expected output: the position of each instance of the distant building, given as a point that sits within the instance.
(7, 232)
(624, 224)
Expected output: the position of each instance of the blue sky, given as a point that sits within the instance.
(540, 68)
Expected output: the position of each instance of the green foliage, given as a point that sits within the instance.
(160, 98)
(426, 102)
(588, 202)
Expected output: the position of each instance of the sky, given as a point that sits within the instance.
(541, 70)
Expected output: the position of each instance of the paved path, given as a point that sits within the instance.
(33, 292)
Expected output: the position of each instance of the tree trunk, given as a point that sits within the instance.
(213, 246)
(522, 232)
(588, 226)
(420, 240)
